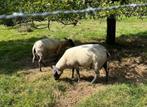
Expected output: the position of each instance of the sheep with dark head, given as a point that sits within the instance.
(88, 55)
(44, 47)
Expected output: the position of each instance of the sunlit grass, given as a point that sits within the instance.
(17, 91)
(118, 95)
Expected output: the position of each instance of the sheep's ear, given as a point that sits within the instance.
(55, 69)
(53, 66)
(65, 38)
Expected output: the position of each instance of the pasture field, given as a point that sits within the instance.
(22, 85)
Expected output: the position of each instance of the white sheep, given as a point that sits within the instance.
(88, 55)
(45, 47)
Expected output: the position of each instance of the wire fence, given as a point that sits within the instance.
(86, 10)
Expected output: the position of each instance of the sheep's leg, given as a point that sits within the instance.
(106, 69)
(96, 73)
(95, 78)
(39, 66)
(33, 59)
(39, 63)
(77, 70)
(43, 63)
(33, 52)
(72, 73)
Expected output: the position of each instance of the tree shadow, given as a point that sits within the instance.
(16, 55)
(128, 62)
(84, 78)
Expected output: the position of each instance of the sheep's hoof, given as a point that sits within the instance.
(74, 79)
(92, 82)
(106, 81)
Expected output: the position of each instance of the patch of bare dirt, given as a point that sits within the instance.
(34, 73)
(78, 91)
(75, 94)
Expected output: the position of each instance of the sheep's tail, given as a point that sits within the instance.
(34, 54)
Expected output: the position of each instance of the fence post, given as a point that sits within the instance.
(111, 29)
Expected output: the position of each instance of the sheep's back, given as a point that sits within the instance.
(85, 55)
(50, 43)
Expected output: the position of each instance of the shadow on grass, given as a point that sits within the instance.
(16, 55)
(83, 78)
(129, 58)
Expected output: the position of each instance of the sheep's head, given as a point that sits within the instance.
(56, 72)
(69, 42)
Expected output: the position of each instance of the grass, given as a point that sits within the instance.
(129, 27)
(17, 91)
(20, 88)
(119, 95)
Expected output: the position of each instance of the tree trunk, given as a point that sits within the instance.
(111, 29)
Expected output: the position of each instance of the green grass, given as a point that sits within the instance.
(131, 26)
(16, 91)
(15, 57)
(118, 95)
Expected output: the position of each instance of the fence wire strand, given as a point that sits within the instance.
(86, 10)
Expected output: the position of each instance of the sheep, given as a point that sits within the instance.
(88, 55)
(45, 47)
